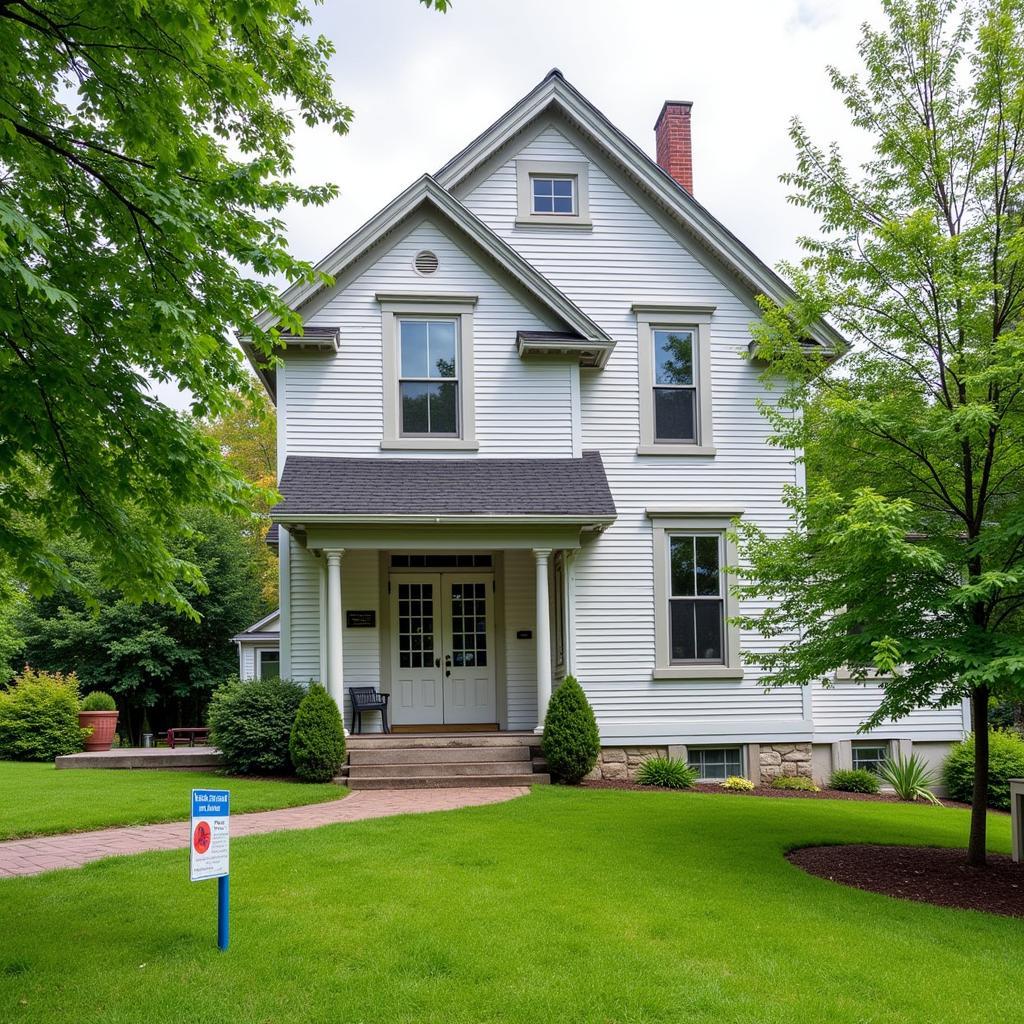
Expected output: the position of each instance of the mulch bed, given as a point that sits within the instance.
(926, 874)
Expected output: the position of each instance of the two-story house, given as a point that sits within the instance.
(511, 439)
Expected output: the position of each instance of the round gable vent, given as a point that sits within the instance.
(426, 262)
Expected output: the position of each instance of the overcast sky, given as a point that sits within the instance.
(424, 84)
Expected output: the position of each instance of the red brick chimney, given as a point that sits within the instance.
(674, 148)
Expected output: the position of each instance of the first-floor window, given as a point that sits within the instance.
(428, 380)
(715, 762)
(869, 756)
(268, 664)
(696, 598)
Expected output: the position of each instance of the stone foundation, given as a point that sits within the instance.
(789, 759)
(620, 764)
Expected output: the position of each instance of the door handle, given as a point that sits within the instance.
(437, 663)
(447, 664)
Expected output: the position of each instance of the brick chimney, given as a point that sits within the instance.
(674, 148)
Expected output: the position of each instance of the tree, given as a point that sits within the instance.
(246, 436)
(154, 661)
(145, 159)
(906, 560)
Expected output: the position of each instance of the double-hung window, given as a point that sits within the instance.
(693, 604)
(697, 598)
(427, 343)
(428, 381)
(674, 362)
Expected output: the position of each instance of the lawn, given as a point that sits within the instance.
(569, 906)
(37, 799)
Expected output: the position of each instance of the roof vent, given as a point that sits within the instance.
(426, 262)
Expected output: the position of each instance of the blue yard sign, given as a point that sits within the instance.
(208, 848)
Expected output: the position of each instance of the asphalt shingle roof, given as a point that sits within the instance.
(317, 485)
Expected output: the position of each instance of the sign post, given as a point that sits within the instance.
(208, 849)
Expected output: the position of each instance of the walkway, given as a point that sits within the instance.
(47, 853)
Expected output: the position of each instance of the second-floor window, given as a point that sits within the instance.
(675, 389)
(428, 381)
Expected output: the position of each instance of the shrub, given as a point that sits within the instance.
(97, 701)
(251, 723)
(1005, 762)
(571, 742)
(317, 743)
(910, 777)
(856, 780)
(670, 772)
(799, 782)
(39, 717)
(738, 784)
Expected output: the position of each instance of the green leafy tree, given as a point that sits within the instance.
(907, 558)
(155, 662)
(145, 161)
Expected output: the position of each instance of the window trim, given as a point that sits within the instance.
(664, 524)
(527, 170)
(698, 750)
(257, 666)
(457, 379)
(855, 745)
(398, 307)
(696, 318)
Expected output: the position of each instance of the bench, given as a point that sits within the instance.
(193, 733)
(366, 698)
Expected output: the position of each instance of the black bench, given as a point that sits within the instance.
(366, 698)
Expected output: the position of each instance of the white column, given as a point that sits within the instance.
(543, 636)
(335, 662)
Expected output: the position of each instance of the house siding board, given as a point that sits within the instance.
(630, 257)
(840, 709)
(335, 403)
(520, 655)
(248, 661)
(304, 620)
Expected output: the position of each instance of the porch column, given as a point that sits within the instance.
(335, 664)
(543, 635)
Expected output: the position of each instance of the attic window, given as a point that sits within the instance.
(553, 192)
(426, 262)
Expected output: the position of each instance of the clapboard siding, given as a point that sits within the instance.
(520, 655)
(334, 404)
(629, 257)
(840, 710)
(304, 619)
(247, 661)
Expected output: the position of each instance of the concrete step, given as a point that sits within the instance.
(436, 755)
(164, 758)
(445, 781)
(457, 768)
(454, 741)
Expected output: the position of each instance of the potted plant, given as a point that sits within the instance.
(98, 713)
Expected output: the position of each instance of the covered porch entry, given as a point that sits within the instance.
(446, 583)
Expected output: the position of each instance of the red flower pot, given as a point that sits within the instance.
(103, 724)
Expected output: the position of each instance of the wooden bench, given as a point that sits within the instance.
(193, 733)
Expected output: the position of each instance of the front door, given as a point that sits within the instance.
(442, 649)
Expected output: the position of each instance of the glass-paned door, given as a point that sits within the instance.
(416, 673)
(469, 695)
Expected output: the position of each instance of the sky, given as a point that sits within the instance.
(424, 84)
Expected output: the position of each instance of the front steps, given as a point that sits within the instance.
(442, 762)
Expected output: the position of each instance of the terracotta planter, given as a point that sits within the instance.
(103, 724)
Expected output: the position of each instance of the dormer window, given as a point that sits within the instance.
(553, 192)
(553, 195)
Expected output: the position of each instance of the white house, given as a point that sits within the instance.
(511, 439)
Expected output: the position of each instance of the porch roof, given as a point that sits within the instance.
(317, 487)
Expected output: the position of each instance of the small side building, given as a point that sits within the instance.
(259, 648)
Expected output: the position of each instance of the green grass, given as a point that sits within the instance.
(566, 906)
(37, 799)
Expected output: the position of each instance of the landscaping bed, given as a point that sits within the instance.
(926, 874)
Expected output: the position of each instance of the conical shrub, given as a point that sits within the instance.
(571, 741)
(317, 743)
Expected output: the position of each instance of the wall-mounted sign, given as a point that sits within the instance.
(524, 634)
(361, 619)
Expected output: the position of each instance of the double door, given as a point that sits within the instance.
(442, 648)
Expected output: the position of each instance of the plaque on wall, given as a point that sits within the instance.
(361, 619)
(524, 634)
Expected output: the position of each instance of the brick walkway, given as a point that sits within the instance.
(47, 853)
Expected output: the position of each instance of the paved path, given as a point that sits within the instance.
(47, 853)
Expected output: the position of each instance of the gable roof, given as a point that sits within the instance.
(268, 628)
(553, 92)
(426, 193)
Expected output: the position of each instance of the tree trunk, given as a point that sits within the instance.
(976, 847)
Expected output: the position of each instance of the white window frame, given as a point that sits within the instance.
(527, 170)
(428, 307)
(666, 523)
(258, 660)
(695, 754)
(697, 319)
(856, 745)
(456, 380)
